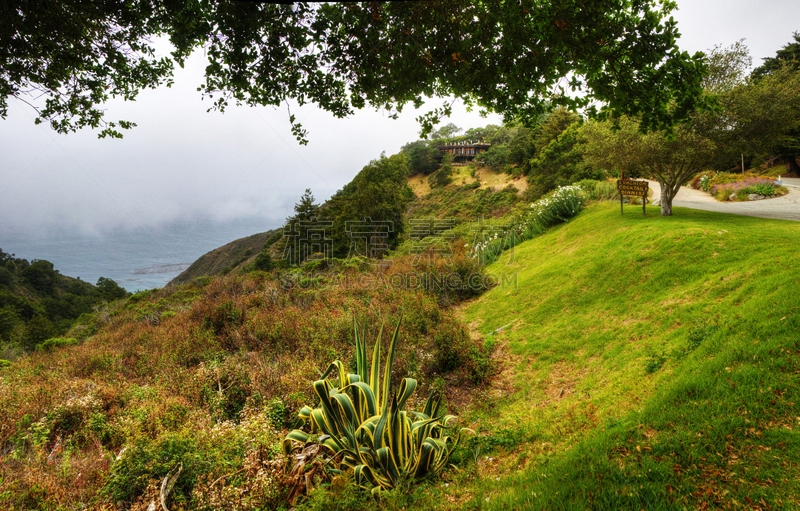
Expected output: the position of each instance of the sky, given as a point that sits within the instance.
(182, 163)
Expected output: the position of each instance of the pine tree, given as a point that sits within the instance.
(306, 209)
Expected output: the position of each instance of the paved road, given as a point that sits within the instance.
(784, 208)
(791, 181)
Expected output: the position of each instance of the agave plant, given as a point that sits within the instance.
(364, 423)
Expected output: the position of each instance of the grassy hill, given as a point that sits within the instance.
(650, 363)
(207, 376)
(473, 193)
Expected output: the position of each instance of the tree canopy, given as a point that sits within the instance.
(727, 67)
(783, 69)
(67, 57)
(759, 114)
(37, 302)
(670, 159)
(788, 55)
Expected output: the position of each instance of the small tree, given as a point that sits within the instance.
(443, 176)
(727, 67)
(41, 275)
(669, 159)
(6, 278)
(552, 126)
(8, 321)
(110, 290)
(306, 213)
(561, 163)
(784, 69)
(379, 194)
(263, 261)
(37, 330)
(306, 209)
(421, 157)
(446, 132)
(789, 54)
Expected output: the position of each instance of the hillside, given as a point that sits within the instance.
(487, 193)
(474, 192)
(650, 363)
(37, 302)
(226, 257)
(465, 175)
(644, 363)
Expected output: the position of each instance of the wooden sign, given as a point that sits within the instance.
(631, 187)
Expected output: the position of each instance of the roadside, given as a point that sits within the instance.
(783, 208)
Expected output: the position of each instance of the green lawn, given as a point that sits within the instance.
(651, 362)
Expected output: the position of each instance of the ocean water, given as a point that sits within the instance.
(136, 258)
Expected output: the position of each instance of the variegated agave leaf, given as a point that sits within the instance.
(379, 442)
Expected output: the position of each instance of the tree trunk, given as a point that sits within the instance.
(666, 199)
(793, 167)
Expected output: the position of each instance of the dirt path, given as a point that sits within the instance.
(783, 208)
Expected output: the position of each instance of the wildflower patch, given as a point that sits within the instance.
(558, 207)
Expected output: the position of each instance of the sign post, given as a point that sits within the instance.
(631, 187)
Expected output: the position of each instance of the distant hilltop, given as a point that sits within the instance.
(226, 257)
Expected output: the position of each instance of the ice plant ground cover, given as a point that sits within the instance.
(558, 206)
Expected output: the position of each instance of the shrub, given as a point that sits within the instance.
(450, 349)
(56, 342)
(588, 186)
(559, 206)
(6, 278)
(701, 180)
(442, 177)
(365, 425)
(263, 261)
(764, 189)
(226, 315)
(8, 321)
(41, 275)
(722, 178)
(563, 204)
(37, 330)
(145, 459)
(202, 281)
(339, 495)
(606, 190)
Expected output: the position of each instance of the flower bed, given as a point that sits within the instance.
(743, 190)
(736, 187)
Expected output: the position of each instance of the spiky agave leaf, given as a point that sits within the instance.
(379, 442)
